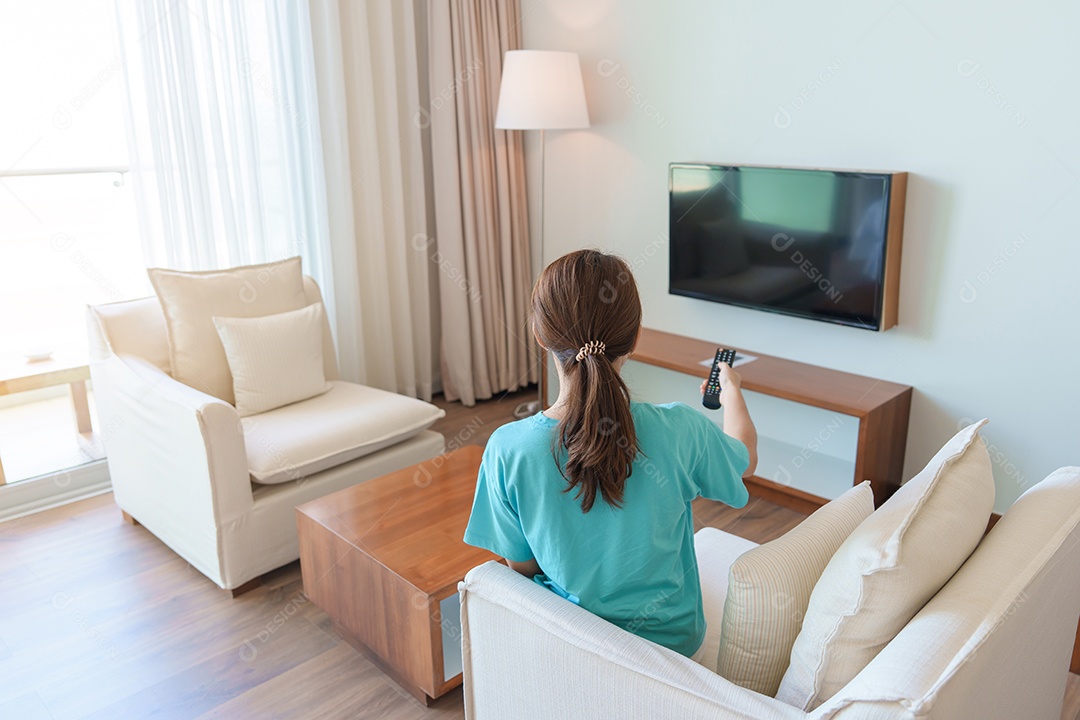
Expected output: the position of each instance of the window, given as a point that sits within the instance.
(68, 229)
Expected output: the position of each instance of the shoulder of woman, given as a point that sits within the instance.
(512, 437)
(671, 408)
(675, 413)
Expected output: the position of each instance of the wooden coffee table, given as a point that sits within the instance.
(383, 559)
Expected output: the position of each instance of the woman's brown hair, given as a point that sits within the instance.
(590, 297)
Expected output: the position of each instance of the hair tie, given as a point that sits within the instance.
(593, 347)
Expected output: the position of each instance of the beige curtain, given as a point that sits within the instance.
(370, 72)
(481, 246)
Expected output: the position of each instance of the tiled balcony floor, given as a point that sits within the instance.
(40, 437)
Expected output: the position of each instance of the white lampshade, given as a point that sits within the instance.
(541, 90)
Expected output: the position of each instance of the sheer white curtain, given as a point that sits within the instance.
(369, 69)
(224, 134)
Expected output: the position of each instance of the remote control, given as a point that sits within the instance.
(711, 399)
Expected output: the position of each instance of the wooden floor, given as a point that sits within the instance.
(98, 619)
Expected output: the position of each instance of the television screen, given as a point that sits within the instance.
(810, 243)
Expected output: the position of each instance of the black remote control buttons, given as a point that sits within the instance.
(711, 399)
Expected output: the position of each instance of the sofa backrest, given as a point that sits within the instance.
(996, 641)
(528, 654)
(137, 327)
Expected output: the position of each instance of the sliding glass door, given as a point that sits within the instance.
(68, 232)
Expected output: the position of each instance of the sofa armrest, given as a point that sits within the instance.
(176, 456)
(528, 653)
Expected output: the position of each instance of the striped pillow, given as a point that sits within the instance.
(274, 360)
(769, 589)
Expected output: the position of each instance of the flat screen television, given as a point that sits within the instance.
(820, 244)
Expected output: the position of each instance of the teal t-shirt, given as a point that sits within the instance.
(635, 565)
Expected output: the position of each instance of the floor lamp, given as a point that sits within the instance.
(541, 90)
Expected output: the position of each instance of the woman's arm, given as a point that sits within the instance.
(529, 568)
(737, 422)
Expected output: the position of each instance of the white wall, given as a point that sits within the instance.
(979, 105)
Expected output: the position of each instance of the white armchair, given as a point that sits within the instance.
(178, 457)
(995, 642)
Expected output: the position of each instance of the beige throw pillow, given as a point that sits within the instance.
(190, 299)
(889, 567)
(274, 360)
(769, 588)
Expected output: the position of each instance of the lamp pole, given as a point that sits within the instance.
(541, 90)
(532, 407)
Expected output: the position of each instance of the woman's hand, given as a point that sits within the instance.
(728, 378)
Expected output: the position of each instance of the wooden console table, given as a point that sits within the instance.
(881, 407)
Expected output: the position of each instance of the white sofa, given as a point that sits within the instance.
(995, 642)
(178, 457)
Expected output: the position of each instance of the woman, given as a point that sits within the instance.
(592, 496)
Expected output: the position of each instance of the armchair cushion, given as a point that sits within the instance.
(275, 360)
(189, 301)
(345, 423)
(889, 567)
(769, 589)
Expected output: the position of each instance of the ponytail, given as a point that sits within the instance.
(586, 310)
